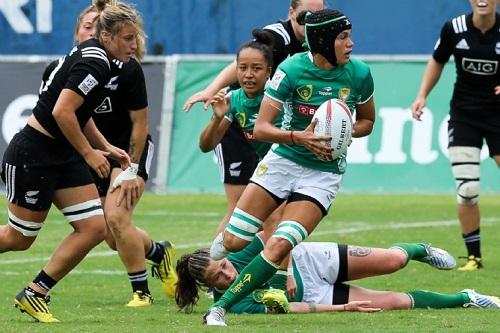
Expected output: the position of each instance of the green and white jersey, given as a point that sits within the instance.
(302, 87)
(245, 111)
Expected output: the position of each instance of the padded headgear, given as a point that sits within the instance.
(321, 30)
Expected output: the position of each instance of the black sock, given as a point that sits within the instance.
(155, 253)
(139, 281)
(473, 243)
(44, 281)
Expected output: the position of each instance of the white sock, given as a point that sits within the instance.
(217, 250)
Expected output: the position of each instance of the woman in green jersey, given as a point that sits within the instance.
(254, 61)
(321, 270)
(299, 169)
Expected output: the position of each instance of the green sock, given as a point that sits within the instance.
(415, 251)
(429, 299)
(256, 273)
(278, 281)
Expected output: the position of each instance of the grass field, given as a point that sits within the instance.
(92, 298)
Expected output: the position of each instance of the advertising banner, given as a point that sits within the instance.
(20, 84)
(401, 155)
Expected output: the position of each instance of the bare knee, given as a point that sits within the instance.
(396, 260)
(94, 228)
(233, 243)
(277, 249)
(398, 301)
(13, 240)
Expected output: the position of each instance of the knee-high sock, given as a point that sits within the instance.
(429, 299)
(414, 251)
(256, 273)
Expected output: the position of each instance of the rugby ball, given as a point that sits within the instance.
(334, 120)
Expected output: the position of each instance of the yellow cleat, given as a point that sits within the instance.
(473, 264)
(275, 300)
(140, 299)
(165, 271)
(36, 307)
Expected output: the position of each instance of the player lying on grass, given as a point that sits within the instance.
(317, 284)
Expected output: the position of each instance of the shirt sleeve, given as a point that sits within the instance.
(86, 75)
(281, 86)
(367, 88)
(281, 42)
(444, 45)
(135, 86)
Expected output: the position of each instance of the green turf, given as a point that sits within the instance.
(92, 298)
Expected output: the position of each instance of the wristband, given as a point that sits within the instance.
(289, 271)
(291, 137)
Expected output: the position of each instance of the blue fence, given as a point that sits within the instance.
(220, 26)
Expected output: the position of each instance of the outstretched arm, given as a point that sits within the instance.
(431, 76)
(224, 79)
(361, 306)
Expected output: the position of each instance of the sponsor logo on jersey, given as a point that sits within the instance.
(326, 91)
(462, 45)
(87, 84)
(31, 197)
(112, 84)
(306, 110)
(105, 106)
(305, 92)
(497, 48)
(278, 76)
(480, 66)
(344, 93)
(234, 169)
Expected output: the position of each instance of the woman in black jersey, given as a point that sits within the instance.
(474, 41)
(47, 161)
(237, 159)
(122, 118)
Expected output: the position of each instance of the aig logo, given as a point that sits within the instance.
(479, 66)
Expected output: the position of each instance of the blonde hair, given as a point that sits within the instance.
(113, 15)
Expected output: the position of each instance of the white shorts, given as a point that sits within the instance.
(318, 265)
(282, 177)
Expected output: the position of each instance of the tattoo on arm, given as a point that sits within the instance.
(131, 151)
(357, 251)
(312, 307)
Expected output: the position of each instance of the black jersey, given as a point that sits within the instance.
(285, 42)
(125, 91)
(477, 59)
(85, 70)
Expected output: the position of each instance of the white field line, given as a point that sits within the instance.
(362, 227)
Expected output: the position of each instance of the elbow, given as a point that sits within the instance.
(205, 147)
(258, 133)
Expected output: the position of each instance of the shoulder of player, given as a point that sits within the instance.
(130, 69)
(458, 25)
(91, 51)
(358, 66)
(281, 32)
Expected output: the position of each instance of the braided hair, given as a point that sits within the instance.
(191, 269)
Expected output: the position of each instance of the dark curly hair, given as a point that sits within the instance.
(191, 269)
